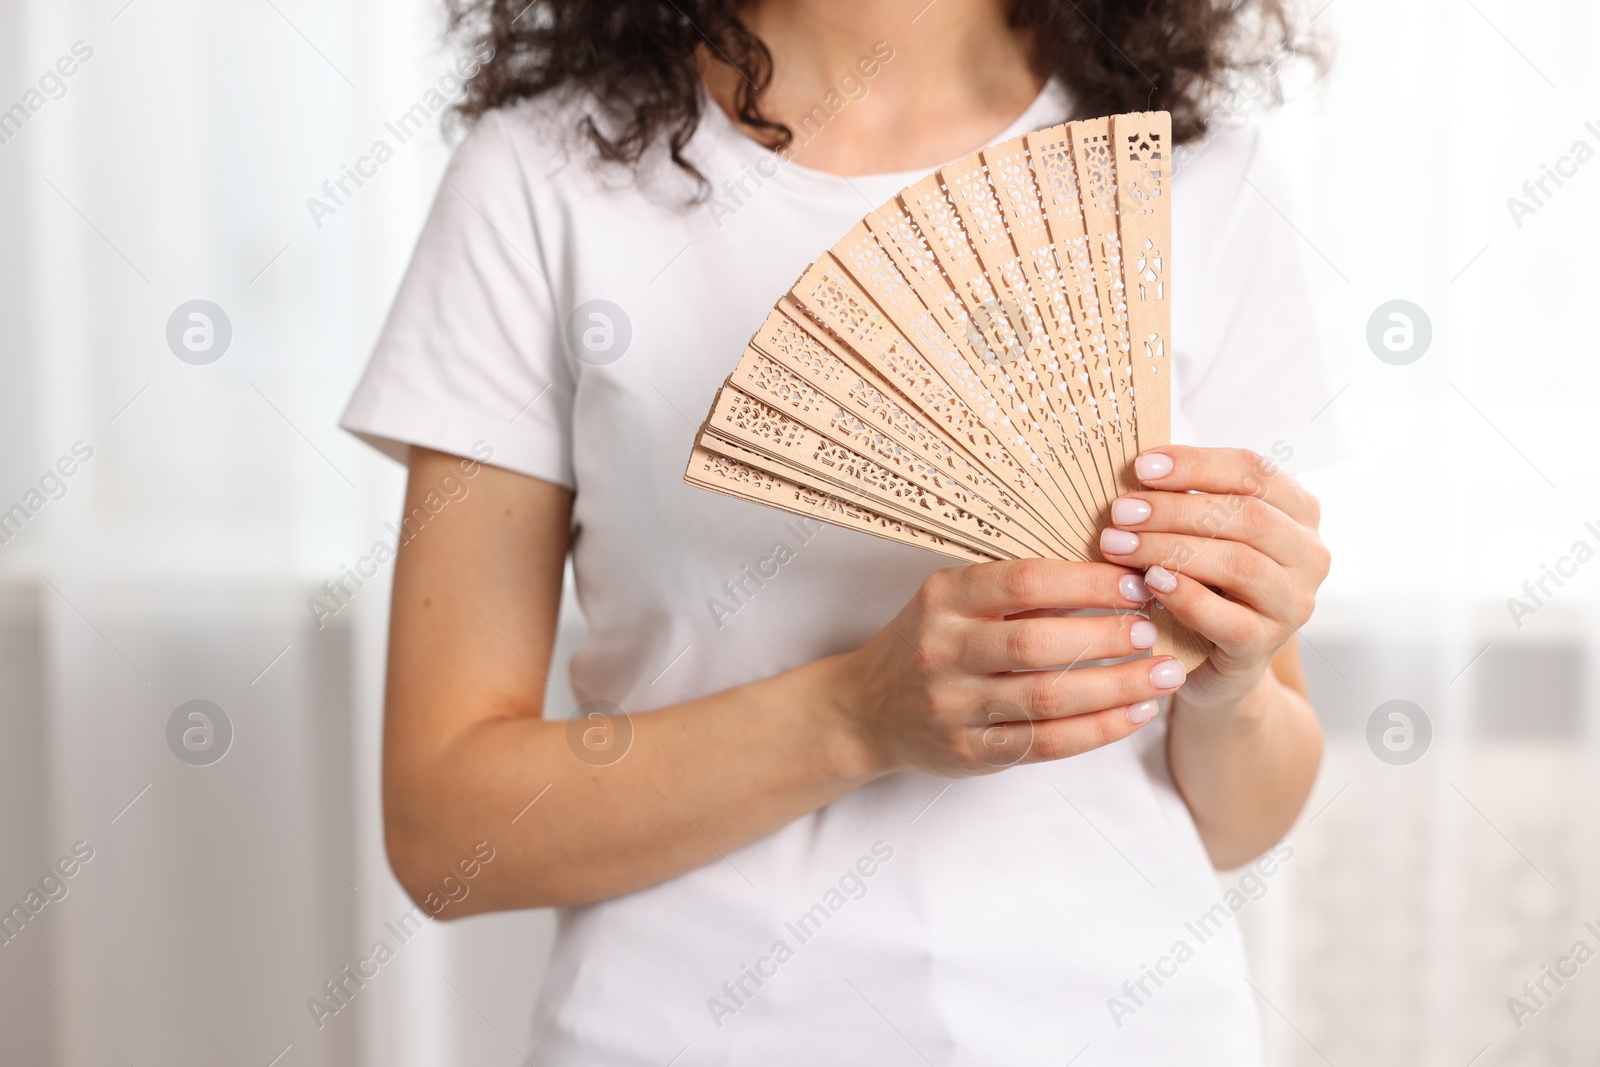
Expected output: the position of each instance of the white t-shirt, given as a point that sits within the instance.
(1005, 920)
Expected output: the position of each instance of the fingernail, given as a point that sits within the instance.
(1143, 712)
(1129, 511)
(1133, 589)
(1153, 465)
(1118, 542)
(1161, 580)
(1143, 634)
(1168, 674)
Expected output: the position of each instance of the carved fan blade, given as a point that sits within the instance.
(973, 368)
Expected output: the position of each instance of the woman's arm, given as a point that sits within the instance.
(476, 597)
(466, 750)
(1245, 772)
(1231, 543)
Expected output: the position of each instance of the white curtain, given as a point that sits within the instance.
(175, 163)
(1422, 895)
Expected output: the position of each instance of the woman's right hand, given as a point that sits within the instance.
(959, 683)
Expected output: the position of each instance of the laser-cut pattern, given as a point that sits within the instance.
(735, 477)
(786, 447)
(972, 369)
(763, 380)
(932, 303)
(1142, 203)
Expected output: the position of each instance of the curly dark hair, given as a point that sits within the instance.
(637, 58)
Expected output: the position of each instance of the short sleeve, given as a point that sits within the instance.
(471, 353)
(1253, 373)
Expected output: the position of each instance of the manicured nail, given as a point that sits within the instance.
(1133, 589)
(1143, 712)
(1143, 634)
(1152, 466)
(1118, 542)
(1160, 579)
(1168, 674)
(1129, 511)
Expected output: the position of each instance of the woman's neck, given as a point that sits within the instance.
(884, 85)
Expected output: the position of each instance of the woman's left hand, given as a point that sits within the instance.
(1239, 561)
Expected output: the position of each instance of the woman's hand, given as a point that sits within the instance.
(958, 683)
(1239, 561)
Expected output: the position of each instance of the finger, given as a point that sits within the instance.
(995, 590)
(1230, 626)
(1008, 744)
(1056, 739)
(1246, 519)
(1033, 644)
(1181, 468)
(1237, 569)
(1060, 694)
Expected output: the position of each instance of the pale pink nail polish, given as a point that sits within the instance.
(1153, 466)
(1118, 542)
(1168, 674)
(1129, 511)
(1143, 634)
(1133, 589)
(1160, 579)
(1143, 712)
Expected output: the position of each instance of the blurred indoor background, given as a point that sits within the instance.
(1447, 856)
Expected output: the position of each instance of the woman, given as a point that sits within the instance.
(801, 855)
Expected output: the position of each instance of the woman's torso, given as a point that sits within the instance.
(1017, 918)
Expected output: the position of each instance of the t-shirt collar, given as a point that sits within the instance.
(719, 139)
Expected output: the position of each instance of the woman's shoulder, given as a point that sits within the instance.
(543, 133)
(1228, 184)
(1219, 162)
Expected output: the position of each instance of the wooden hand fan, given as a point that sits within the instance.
(974, 367)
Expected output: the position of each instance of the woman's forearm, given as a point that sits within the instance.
(471, 764)
(698, 780)
(1245, 772)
